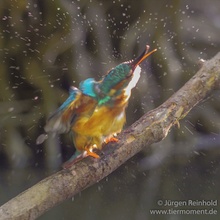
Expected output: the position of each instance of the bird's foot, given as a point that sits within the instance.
(89, 152)
(111, 139)
(92, 154)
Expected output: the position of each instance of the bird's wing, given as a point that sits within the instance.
(63, 118)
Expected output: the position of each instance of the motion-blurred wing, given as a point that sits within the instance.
(63, 118)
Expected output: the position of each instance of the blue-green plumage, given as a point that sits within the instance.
(115, 76)
(73, 92)
(88, 87)
(55, 123)
(101, 90)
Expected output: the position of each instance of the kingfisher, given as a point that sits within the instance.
(95, 113)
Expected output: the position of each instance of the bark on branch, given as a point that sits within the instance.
(152, 127)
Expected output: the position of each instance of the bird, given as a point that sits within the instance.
(95, 113)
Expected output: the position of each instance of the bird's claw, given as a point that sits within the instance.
(111, 139)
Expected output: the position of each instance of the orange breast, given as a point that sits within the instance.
(104, 122)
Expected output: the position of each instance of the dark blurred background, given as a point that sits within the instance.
(48, 46)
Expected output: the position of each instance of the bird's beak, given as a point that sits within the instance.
(142, 57)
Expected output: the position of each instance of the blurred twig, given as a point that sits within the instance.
(152, 127)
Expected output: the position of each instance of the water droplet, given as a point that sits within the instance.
(41, 139)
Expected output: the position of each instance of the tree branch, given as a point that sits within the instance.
(152, 127)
